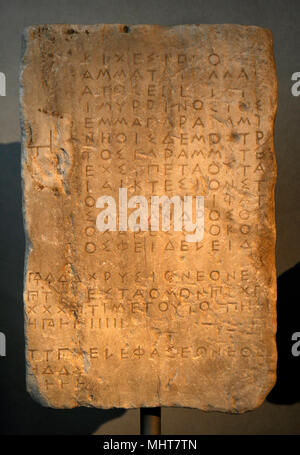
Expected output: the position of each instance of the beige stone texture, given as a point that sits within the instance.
(131, 319)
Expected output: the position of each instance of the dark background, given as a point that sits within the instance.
(280, 414)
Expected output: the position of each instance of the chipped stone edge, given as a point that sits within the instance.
(32, 386)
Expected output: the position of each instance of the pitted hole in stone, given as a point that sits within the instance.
(71, 31)
(235, 137)
(125, 29)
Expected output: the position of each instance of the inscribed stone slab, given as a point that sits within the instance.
(117, 318)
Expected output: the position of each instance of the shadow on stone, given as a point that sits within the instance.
(287, 390)
(19, 414)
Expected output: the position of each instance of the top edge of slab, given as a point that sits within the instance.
(71, 28)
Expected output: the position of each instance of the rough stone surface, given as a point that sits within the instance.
(131, 319)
